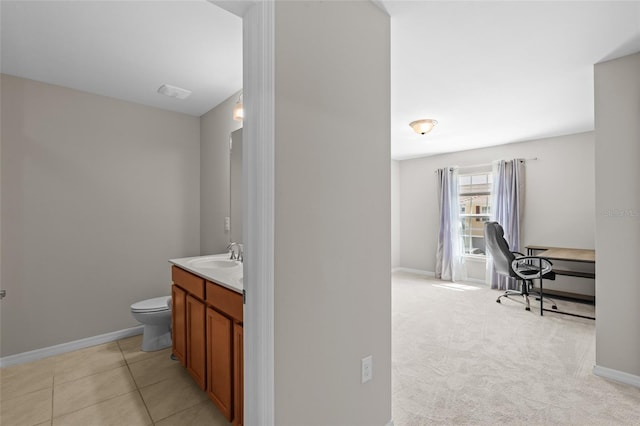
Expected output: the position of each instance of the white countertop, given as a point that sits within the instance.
(217, 268)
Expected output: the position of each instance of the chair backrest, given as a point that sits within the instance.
(498, 248)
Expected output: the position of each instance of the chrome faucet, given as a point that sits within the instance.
(240, 255)
(230, 248)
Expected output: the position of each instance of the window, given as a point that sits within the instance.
(475, 209)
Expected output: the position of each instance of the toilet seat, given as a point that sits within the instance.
(157, 304)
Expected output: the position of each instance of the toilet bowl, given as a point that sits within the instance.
(155, 314)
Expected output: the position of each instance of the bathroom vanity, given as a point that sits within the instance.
(207, 313)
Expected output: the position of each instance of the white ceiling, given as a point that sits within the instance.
(498, 72)
(489, 72)
(127, 49)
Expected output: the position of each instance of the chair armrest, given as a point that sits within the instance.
(530, 257)
(524, 268)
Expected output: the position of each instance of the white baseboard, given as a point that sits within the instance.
(69, 346)
(618, 376)
(414, 271)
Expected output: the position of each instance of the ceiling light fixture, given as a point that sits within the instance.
(238, 109)
(174, 92)
(424, 126)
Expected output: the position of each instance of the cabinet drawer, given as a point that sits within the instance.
(192, 283)
(225, 300)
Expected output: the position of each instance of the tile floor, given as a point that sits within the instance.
(110, 384)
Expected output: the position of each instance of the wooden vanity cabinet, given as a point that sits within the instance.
(220, 360)
(208, 339)
(188, 318)
(224, 316)
(179, 324)
(196, 349)
(238, 374)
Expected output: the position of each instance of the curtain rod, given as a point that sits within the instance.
(486, 164)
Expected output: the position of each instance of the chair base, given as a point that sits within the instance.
(527, 307)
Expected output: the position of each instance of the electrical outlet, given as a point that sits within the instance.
(367, 368)
(227, 223)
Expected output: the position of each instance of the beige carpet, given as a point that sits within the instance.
(461, 358)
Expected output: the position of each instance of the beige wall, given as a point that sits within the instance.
(617, 91)
(97, 195)
(332, 292)
(215, 130)
(559, 200)
(395, 214)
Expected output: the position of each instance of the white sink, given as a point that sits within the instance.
(217, 268)
(214, 263)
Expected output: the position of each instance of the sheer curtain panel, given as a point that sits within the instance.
(449, 260)
(506, 209)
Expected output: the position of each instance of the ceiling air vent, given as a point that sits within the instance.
(174, 92)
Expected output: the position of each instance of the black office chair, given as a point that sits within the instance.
(523, 268)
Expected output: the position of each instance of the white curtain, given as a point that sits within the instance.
(507, 198)
(449, 255)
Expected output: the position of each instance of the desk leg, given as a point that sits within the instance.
(541, 298)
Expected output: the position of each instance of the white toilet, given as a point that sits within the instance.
(155, 314)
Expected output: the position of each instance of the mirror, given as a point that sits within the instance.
(235, 186)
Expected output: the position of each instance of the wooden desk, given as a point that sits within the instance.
(565, 255)
(569, 254)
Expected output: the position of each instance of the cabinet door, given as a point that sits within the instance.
(196, 351)
(219, 361)
(238, 374)
(178, 324)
